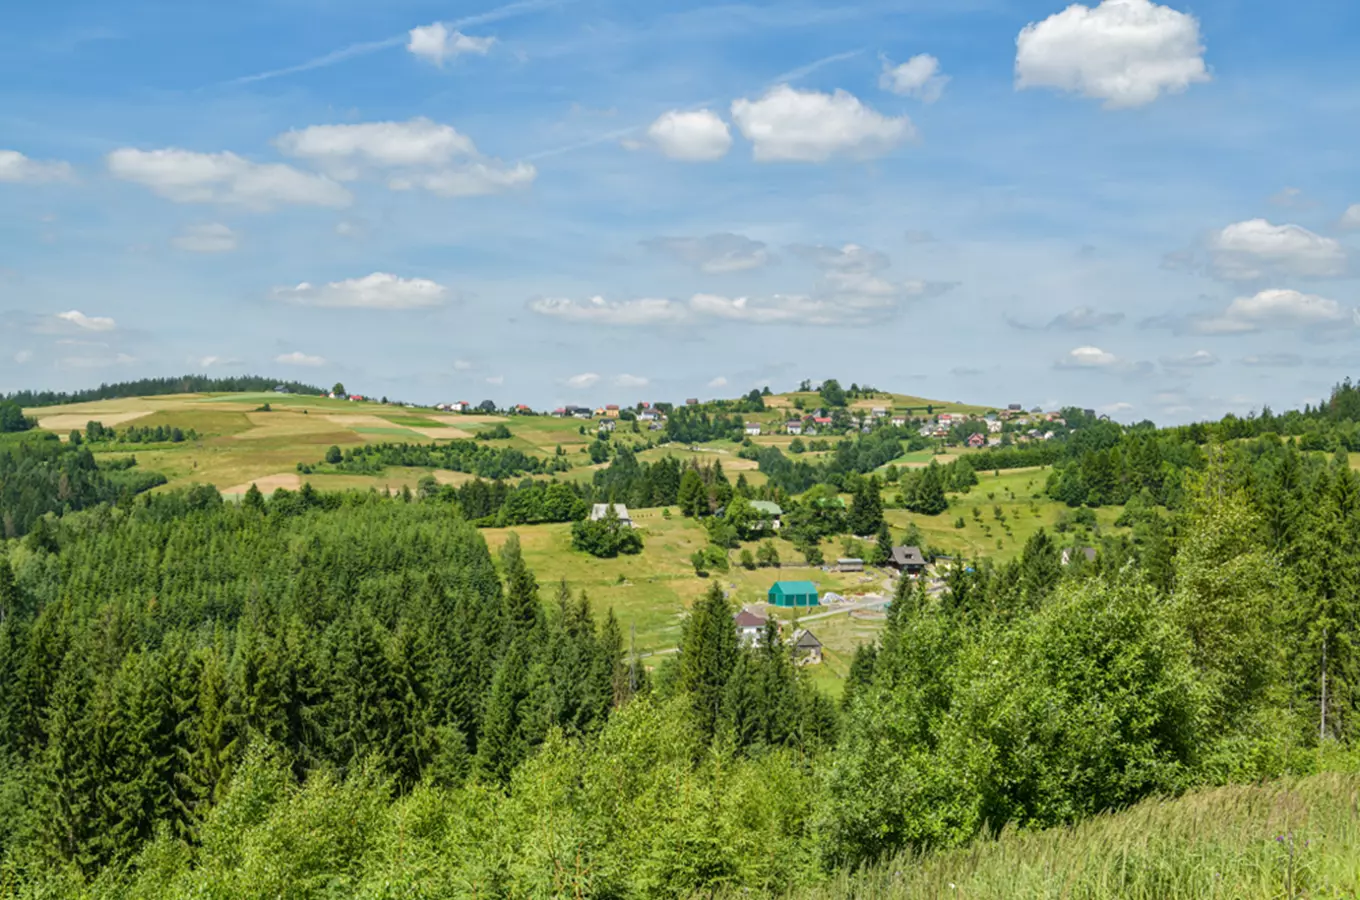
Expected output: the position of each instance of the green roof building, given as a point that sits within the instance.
(793, 593)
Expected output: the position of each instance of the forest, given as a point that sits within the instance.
(326, 695)
(157, 387)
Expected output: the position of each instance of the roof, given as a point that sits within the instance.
(765, 506)
(850, 561)
(794, 587)
(746, 619)
(599, 511)
(804, 639)
(908, 556)
(1088, 552)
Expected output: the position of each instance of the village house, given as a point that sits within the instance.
(612, 410)
(750, 626)
(908, 560)
(822, 421)
(692, 401)
(607, 425)
(753, 429)
(560, 412)
(977, 440)
(899, 421)
(600, 511)
(807, 650)
(878, 412)
(461, 406)
(994, 427)
(646, 415)
(1015, 407)
(770, 513)
(793, 427)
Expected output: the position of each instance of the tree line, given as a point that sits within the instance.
(156, 387)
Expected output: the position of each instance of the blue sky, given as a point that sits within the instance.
(1149, 209)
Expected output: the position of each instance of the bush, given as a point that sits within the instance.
(747, 560)
(605, 538)
(767, 555)
(333, 455)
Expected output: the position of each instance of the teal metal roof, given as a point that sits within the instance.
(765, 506)
(794, 587)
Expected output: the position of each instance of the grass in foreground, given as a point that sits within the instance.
(1289, 839)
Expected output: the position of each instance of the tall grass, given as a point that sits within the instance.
(1295, 838)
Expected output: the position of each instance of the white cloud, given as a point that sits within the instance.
(346, 228)
(418, 142)
(718, 382)
(645, 311)
(1277, 308)
(476, 179)
(17, 168)
(87, 323)
(715, 254)
(918, 77)
(847, 258)
(188, 177)
(1114, 409)
(631, 381)
(582, 381)
(495, 379)
(461, 365)
(437, 43)
(1084, 318)
(23, 356)
(1125, 52)
(210, 238)
(298, 358)
(1351, 217)
(1197, 360)
(839, 298)
(1253, 249)
(207, 362)
(1273, 360)
(381, 290)
(693, 136)
(419, 153)
(787, 124)
(1088, 358)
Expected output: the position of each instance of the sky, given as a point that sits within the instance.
(1152, 210)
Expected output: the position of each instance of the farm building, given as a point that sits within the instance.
(794, 427)
(807, 650)
(908, 559)
(793, 593)
(770, 512)
(977, 440)
(606, 424)
(749, 627)
(753, 429)
(899, 421)
(849, 564)
(601, 510)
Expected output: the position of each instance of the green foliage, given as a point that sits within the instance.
(12, 418)
(607, 537)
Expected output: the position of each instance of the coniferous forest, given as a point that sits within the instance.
(348, 695)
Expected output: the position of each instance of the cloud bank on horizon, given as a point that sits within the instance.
(1124, 204)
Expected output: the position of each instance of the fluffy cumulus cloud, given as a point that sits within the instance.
(692, 136)
(918, 77)
(19, 169)
(1124, 52)
(719, 382)
(87, 323)
(1199, 359)
(714, 254)
(1246, 251)
(213, 237)
(1278, 309)
(416, 154)
(188, 177)
(631, 381)
(298, 358)
(1088, 358)
(1351, 217)
(582, 381)
(438, 43)
(789, 125)
(381, 290)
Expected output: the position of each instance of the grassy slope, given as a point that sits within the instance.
(1289, 839)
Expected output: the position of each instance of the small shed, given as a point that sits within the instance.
(793, 593)
(807, 650)
(850, 564)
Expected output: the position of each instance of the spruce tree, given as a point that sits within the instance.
(708, 653)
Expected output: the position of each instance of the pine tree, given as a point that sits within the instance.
(708, 653)
(693, 495)
(523, 613)
(501, 746)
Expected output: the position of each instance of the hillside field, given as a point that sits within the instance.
(239, 444)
